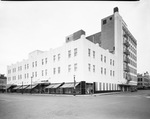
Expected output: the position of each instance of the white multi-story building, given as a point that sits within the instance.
(107, 59)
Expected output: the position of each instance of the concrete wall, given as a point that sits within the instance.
(107, 33)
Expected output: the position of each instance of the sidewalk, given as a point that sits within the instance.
(43, 94)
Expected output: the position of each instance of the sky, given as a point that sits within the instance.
(36, 25)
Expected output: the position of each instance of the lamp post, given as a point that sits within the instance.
(31, 84)
(22, 87)
(74, 92)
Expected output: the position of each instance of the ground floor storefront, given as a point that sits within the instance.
(73, 88)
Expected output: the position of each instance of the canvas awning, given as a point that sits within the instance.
(54, 85)
(31, 87)
(17, 87)
(23, 87)
(69, 85)
(9, 86)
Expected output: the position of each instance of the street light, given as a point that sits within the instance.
(74, 93)
(31, 84)
(22, 87)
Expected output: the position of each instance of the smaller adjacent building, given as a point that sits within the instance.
(3, 82)
(144, 81)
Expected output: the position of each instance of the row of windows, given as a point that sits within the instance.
(132, 42)
(54, 70)
(108, 86)
(14, 69)
(75, 53)
(89, 67)
(19, 68)
(2, 82)
(102, 57)
(14, 77)
(103, 70)
(105, 21)
(132, 49)
(139, 79)
(89, 53)
(133, 56)
(43, 61)
(54, 57)
(133, 63)
(132, 70)
(140, 84)
(9, 78)
(9, 71)
(130, 39)
(75, 67)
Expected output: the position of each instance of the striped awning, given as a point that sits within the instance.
(31, 87)
(54, 85)
(17, 87)
(69, 85)
(23, 87)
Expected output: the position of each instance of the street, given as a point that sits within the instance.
(128, 105)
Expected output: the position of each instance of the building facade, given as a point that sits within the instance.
(3, 82)
(143, 81)
(107, 59)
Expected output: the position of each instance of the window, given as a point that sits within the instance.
(113, 73)
(101, 57)
(45, 60)
(69, 68)
(32, 64)
(104, 21)
(69, 53)
(54, 58)
(101, 70)
(9, 71)
(75, 67)
(35, 74)
(110, 18)
(42, 72)
(89, 52)
(110, 61)
(45, 72)
(35, 63)
(113, 62)
(58, 70)
(42, 61)
(105, 71)
(54, 71)
(93, 54)
(32, 74)
(58, 57)
(93, 68)
(25, 76)
(110, 72)
(105, 59)
(75, 52)
(89, 67)
(25, 66)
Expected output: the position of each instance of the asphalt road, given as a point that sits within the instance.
(135, 105)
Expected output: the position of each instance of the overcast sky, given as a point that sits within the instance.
(28, 26)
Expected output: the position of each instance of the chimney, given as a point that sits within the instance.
(116, 9)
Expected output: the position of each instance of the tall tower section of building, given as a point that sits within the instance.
(116, 37)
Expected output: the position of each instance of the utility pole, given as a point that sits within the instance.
(22, 87)
(31, 84)
(74, 92)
